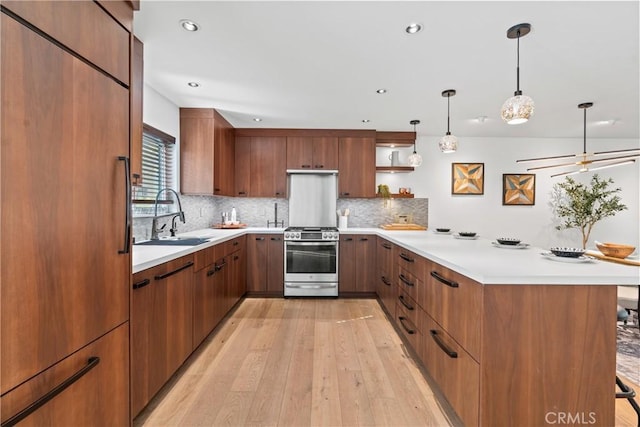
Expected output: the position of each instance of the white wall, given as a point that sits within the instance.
(486, 215)
(164, 115)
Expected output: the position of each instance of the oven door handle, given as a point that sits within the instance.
(314, 243)
(287, 285)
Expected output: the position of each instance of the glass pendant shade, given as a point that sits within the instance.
(414, 159)
(448, 144)
(517, 109)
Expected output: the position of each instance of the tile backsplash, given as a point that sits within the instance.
(204, 211)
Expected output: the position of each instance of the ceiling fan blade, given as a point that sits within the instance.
(566, 156)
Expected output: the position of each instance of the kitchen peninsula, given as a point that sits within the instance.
(506, 334)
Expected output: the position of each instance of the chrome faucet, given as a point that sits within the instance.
(154, 222)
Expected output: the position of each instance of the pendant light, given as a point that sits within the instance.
(414, 159)
(448, 143)
(586, 159)
(519, 107)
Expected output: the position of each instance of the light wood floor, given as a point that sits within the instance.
(305, 362)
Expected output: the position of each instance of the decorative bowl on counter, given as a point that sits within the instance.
(467, 233)
(508, 241)
(443, 230)
(615, 250)
(567, 252)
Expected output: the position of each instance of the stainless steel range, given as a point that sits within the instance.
(311, 261)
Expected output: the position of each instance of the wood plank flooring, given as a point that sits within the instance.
(300, 362)
(305, 362)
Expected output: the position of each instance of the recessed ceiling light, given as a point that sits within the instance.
(365, 120)
(257, 119)
(189, 25)
(194, 84)
(481, 119)
(413, 28)
(381, 91)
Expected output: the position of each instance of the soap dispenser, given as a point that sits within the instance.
(233, 215)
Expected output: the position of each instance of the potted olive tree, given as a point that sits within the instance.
(581, 206)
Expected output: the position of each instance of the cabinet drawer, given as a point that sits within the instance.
(83, 27)
(208, 256)
(99, 396)
(410, 262)
(409, 306)
(407, 326)
(230, 246)
(455, 302)
(408, 282)
(455, 371)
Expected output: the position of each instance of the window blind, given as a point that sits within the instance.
(158, 150)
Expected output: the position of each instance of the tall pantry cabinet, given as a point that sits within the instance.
(65, 223)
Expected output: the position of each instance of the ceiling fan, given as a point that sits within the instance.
(585, 160)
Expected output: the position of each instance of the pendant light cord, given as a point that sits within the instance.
(448, 106)
(518, 67)
(415, 140)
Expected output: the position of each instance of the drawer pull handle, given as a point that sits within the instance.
(141, 284)
(306, 166)
(236, 257)
(259, 238)
(407, 258)
(220, 266)
(242, 193)
(211, 272)
(91, 363)
(434, 334)
(127, 205)
(441, 279)
(385, 280)
(405, 303)
(405, 280)
(348, 239)
(171, 273)
(277, 239)
(409, 331)
(319, 166)
(236, 243)
(386, 246)
(364, 239)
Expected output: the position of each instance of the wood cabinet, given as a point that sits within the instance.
(65, 244)
(356, 269)
(103, 379)
(308, 152)
(136, 93)
(357, 167)
(385, 280)
(265, 264)
(208, 292)
(507, 352)
(260, 166)
(207, 152)
(161, 326)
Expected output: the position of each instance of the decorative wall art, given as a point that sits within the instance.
(467, 178)
(519, 189)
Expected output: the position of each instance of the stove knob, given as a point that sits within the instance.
(335, 236)
(298, 235)
(286, 235)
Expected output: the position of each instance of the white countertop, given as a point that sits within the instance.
(147, 256)
(477, 259)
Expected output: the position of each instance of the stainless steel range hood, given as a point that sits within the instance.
(313, 196)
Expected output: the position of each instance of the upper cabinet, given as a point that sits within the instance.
(307, 152)
(207, 153)
(356, 166)
(260, 166)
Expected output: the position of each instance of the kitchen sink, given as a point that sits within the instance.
(175, 241)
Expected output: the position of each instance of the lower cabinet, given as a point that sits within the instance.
(98, 388)
(385, 282)
(356, 270)
(265, 264)
(500, 353)
(161, 326)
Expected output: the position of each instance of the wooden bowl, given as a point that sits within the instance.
(615, 250)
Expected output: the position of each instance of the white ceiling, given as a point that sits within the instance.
(304, 64)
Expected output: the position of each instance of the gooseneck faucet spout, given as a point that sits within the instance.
(154, 222)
